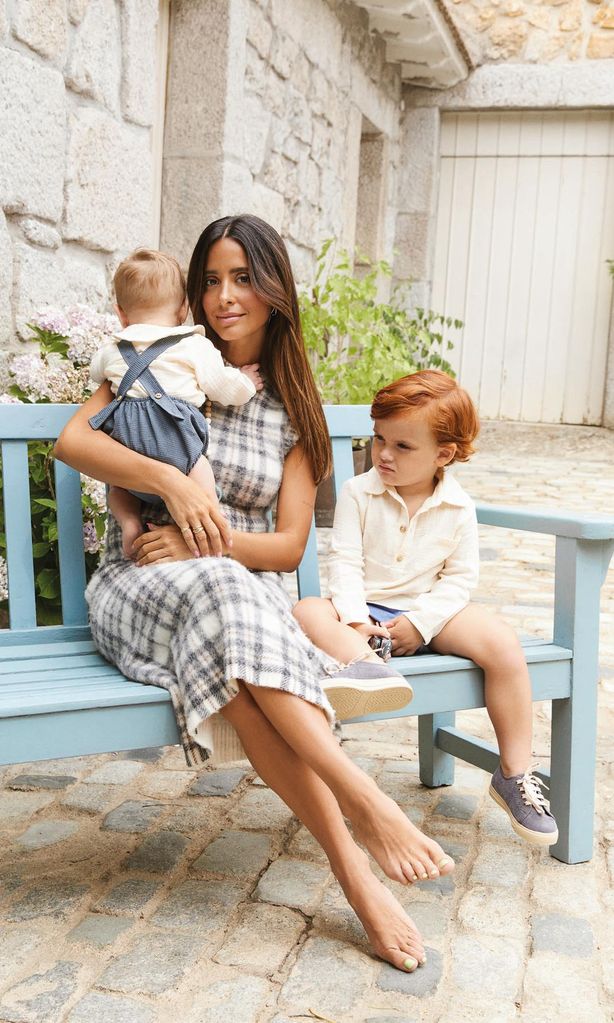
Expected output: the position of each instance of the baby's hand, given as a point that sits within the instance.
(252, 372)
(404, 635)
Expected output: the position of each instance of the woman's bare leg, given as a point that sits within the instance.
(403, 852)
(492, 643)
(391, 933)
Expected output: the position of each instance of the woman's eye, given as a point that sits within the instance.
(210, 282)
(243, 279)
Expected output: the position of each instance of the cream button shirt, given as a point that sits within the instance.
(425, 565)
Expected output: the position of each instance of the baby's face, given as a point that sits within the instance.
(405, 450)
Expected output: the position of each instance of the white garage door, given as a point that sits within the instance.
(525, 224)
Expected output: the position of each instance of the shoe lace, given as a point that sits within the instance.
(530, 790)
(334, 666)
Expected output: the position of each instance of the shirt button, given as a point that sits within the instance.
(399, 557)
(403, 529)
(157, 394)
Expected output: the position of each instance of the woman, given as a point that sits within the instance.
(222, 638)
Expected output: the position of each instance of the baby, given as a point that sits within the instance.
(404, 559)
(161, 372)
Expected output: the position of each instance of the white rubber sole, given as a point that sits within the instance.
(351, 699)
(534, 837)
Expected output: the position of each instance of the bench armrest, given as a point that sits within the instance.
(543, 520)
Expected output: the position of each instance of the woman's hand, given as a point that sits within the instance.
(161, 544)
(203, 526)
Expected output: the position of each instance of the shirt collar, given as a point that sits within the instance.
(447, 491)
(152, 332)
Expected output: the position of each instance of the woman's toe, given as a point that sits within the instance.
(409, 871)
(446, 864)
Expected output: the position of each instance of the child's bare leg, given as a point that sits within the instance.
(494, 646)
(126, 509)
(392, 934)
(319, 620)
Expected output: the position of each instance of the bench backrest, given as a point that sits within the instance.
(22, 423)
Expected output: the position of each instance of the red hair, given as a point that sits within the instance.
(451, 412)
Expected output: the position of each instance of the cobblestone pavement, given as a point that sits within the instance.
(134, 890)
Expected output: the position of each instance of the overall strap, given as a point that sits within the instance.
(138, 369)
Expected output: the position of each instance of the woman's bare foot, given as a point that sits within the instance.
(392, 934)
(403, 852)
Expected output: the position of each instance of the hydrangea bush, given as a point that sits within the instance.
(57, 372)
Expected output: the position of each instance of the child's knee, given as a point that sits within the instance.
(305, 609)
(502, 649)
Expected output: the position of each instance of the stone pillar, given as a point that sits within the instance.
(203, 132)
(417, 201)
(608, 398)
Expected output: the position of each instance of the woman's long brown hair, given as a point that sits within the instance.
(284, 359)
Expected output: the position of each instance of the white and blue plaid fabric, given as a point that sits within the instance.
(192, 627)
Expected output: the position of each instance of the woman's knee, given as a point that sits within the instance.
(310, 608)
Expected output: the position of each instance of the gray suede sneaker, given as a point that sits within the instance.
(524, 803)
(364, 687)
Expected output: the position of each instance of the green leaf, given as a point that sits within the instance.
(45, 502)
(48, 582)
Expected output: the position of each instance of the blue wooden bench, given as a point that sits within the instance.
(60, 698)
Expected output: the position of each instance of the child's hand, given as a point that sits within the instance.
(404, 635)
(252, 372)
(368, 629)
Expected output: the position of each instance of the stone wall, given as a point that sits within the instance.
(534, 30)
(77, 83)
(283, 96)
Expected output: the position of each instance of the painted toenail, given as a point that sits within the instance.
(444, 862)
(423, 960)
(434, 873)
(410, 965)
(414, 877)
(424, 876)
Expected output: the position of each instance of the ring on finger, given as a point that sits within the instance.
(198, 529)
(186, 529)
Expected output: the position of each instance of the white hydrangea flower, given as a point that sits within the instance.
(4, 580)
(96, 491)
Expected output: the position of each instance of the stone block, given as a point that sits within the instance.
(501, 865)
(600, 46)
(297, 884)
(256, 128)
(94, 66)
(456, 806)
(267, 204)
(115, 772)
(240, 1000)
(343, 978)
(91, 798)
(423, 982)
(16, 949)
(27, 782)
(42, 997)
(6, 282)
(492, 911)
(487, 965)
(149, 755)
(108, 183)
(46, 833)
(259, 32)
(237, 853)
(316, 28)
(566, 935)
(48, 898)
(217, 783)
(166, 784)
(76, 10)
(261, 809)
(17, 805)
(159, 852)
(128, 898)
(31, 162)
(556, 889)
(61, 278)
(139, 19)
(40, 234)
(305, 847)
(199, 906)
(431, 918)
(191, 198)
(155, 963)
(262, 940)
(559, 988)
(413, 243)
(43, 26)
(100, 1008)
(133, 815)
(98, 931)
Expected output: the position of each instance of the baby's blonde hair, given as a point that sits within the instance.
(149, 278)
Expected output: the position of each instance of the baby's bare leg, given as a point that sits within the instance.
(202, 473)
(319, 620)
(126, 509)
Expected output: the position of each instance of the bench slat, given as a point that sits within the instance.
(17, 516)
(343, 461)
(70, 545)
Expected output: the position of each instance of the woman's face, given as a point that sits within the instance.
(231, 306)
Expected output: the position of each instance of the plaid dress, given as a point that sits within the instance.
(195, 627)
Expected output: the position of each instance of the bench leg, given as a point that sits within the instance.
(436, 767)
(580, 570)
